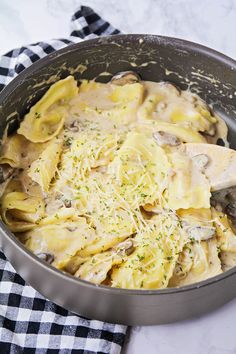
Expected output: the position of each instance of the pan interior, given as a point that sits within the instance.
(189, 66)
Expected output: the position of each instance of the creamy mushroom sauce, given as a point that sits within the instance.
(121, 184)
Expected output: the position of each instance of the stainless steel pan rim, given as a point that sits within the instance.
(121, 37)
(11, 245)
(181, 43)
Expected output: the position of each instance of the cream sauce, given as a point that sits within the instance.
(96, 125)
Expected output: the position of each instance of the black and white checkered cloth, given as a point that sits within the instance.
(28, 322)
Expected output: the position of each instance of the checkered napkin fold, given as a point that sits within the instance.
(28, 322)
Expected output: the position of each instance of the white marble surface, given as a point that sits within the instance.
(213, 333)
(210, 22)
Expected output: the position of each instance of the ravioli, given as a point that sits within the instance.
(188, 187)
(96, 267)
(21, 212)
(152, 263)
(225, 233)
(62, 239)
(197, 262)
(46, 117)
(168, 104)
(44, 168)
(101, 180)
(140, 170)
(12, 151)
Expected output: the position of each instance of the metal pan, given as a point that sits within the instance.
(208, 73)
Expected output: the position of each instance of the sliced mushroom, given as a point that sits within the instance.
(67, 203)
(47, 257)
(224, 200)
(220, 170)
(125, 248)
(125, 77)
(71, 229)
(201, 161)
(5, 172)
(231, 194)
(74, 126)
(162, 138)
(201, 233)
(149, 210)
(231, 210)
